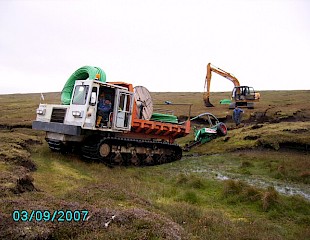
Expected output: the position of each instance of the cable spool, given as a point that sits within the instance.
(144, 103)
(80, 74)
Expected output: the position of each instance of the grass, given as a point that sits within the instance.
(178, 200)
(20, 109)
(270, 136)
(238, 210)
(280, 103)
(3, 166)
(162, 197)
(284, 165)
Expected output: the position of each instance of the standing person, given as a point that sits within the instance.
(237, 115)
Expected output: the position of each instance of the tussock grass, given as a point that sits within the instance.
(190, 181)
(167, 201)
(233, 187)
(205, 223)
(271, 136)
(189, 205)
(289, 166)
(296, 209)
(270, 198)
(246, 164)
(189, 196)
(282, 104)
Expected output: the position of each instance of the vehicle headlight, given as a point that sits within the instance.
(77, 114)
(41, 111)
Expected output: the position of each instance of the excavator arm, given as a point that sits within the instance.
(221, 72)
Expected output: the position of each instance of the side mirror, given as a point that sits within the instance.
(93, 98)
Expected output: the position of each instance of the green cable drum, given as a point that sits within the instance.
(164, 118)
(81, 74)
(225, 101)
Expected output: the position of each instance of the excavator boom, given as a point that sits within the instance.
(239, 95)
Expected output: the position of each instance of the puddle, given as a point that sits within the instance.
(288, 189)
(221, 177)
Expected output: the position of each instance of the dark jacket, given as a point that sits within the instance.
(104, 107)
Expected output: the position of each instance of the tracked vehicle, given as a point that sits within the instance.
(128, 135)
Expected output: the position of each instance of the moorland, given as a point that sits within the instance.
(251, 184)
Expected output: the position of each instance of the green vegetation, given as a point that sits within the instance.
(20, 109)
(272, 136)
(157, 202)
(180, 200)
(289, 166)
(280, 104)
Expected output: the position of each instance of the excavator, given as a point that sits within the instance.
(242, 96)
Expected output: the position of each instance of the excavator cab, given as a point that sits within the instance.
(244, 96)
(243, 93)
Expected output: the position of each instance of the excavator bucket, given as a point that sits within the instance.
(207, 103)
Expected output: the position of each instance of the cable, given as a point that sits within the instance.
(80, 74)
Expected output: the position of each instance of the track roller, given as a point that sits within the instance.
(121, 151)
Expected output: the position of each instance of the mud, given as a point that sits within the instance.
(296, 131)
(254, 137)
(259, 117)
(16, 146)
(24, 162)
(294, 146)
(29, 143)
(257, 126)
(10, 127)
(24, 184)
(285, 145)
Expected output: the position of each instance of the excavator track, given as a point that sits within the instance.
(126, 151)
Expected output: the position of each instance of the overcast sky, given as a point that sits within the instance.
(163, 45)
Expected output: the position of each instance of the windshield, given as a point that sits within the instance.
(80, 94)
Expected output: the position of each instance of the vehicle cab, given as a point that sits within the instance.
(82, 113)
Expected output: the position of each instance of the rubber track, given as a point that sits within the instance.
(91, 149)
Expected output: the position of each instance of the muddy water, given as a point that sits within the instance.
(283, 188)
(286, 188)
